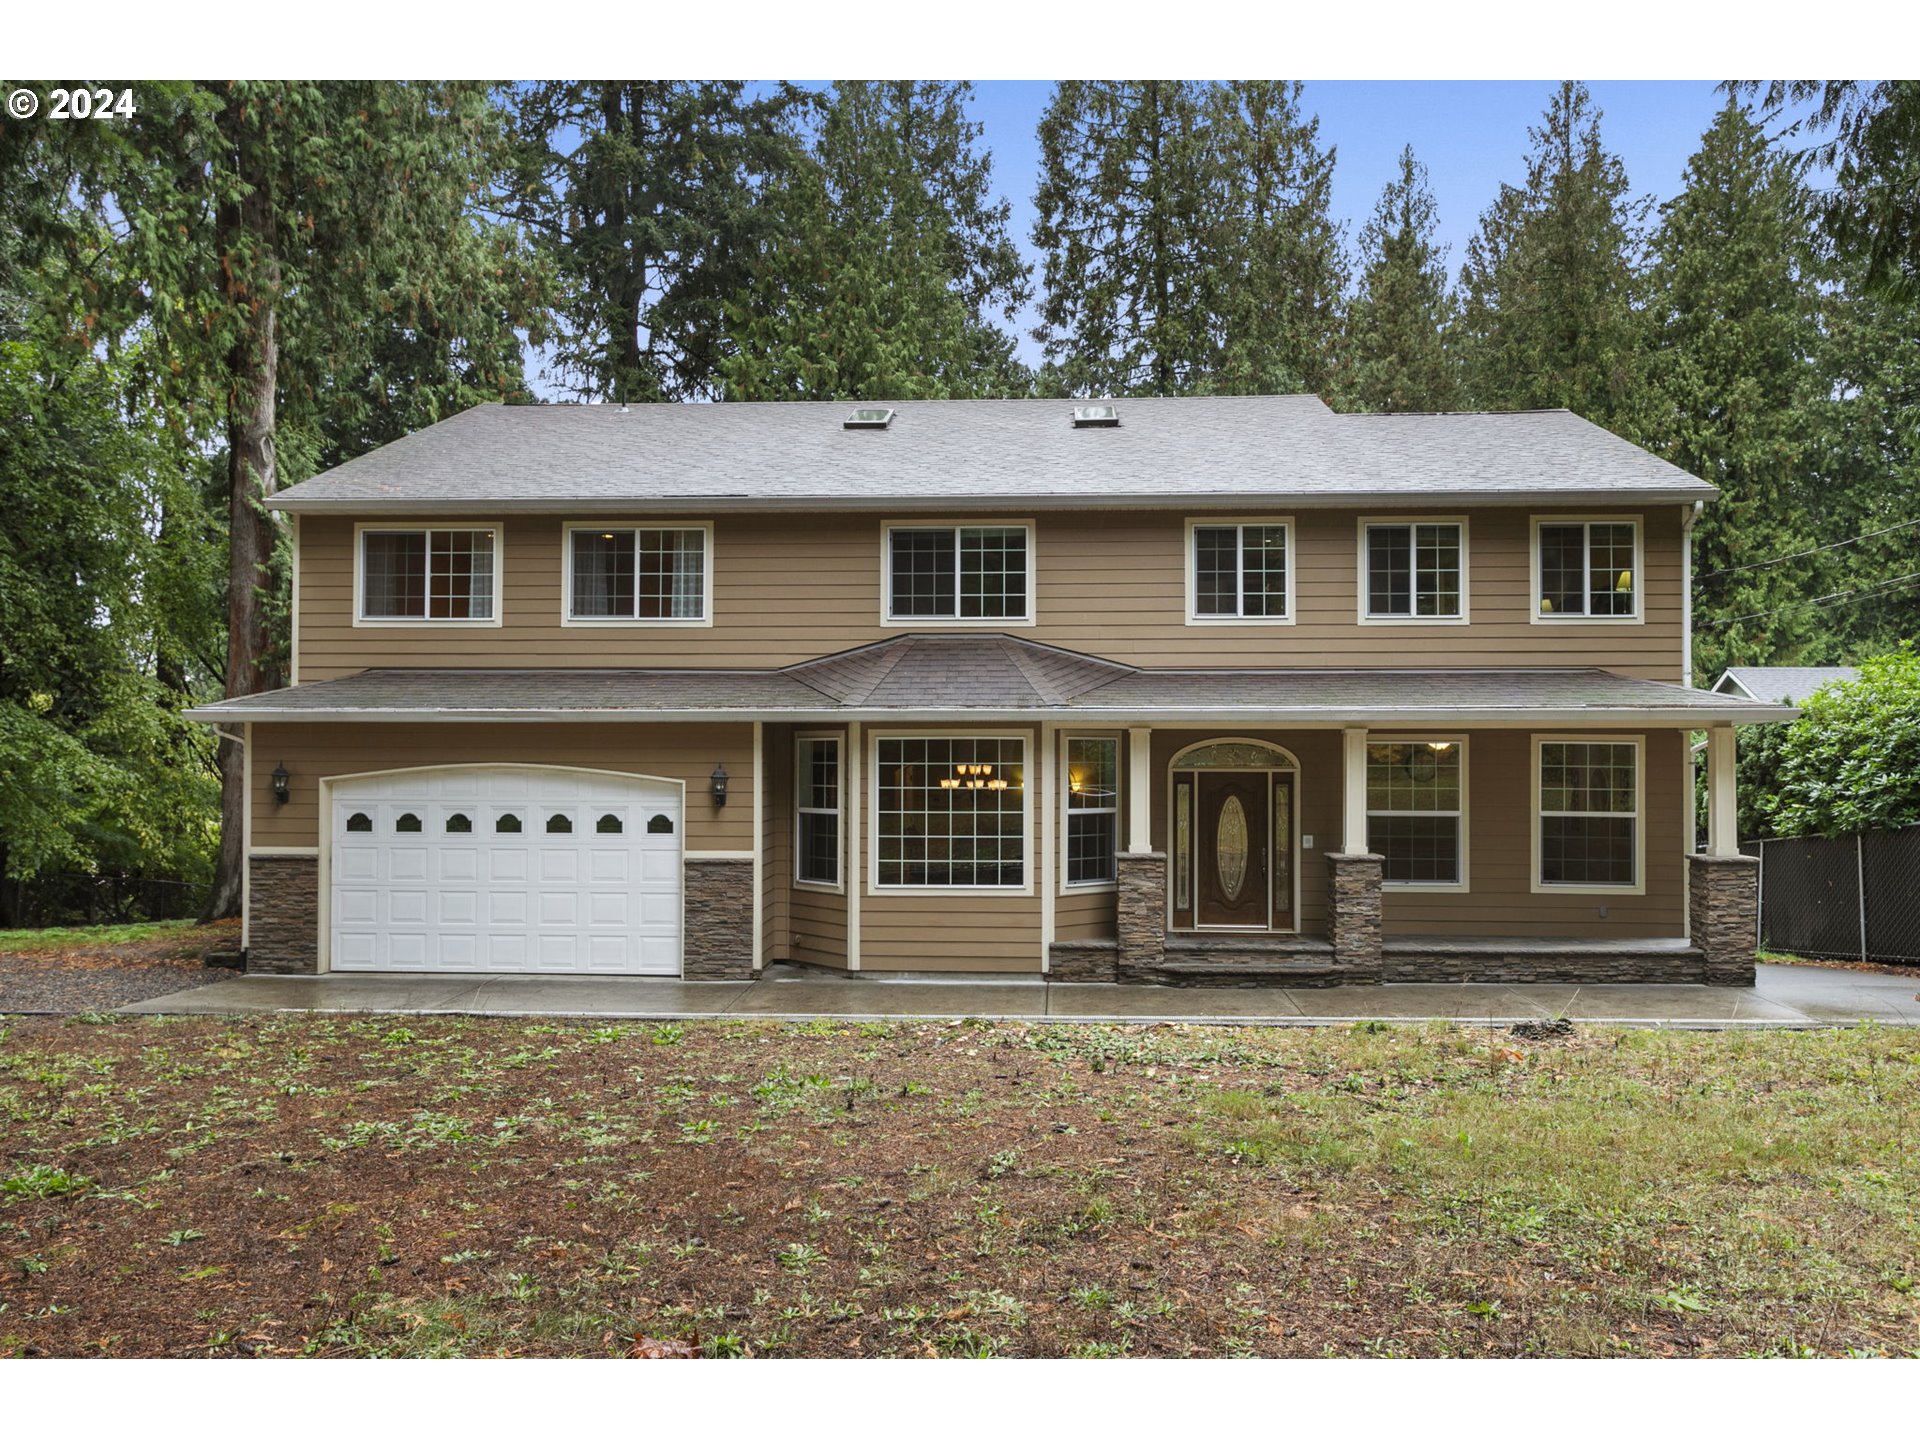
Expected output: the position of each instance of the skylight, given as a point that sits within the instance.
(877, 417)
(1085, 416)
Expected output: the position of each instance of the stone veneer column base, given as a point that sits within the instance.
(719, 920)
(1353, 917)
(1083, 961)
(1723, 914)
(1142, 908)
(283, 919)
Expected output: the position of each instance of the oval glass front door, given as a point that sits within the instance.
(1230, 848)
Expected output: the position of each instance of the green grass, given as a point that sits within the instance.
(74, 937)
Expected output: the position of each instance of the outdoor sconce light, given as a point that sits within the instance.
(280, 778)
(719, 778)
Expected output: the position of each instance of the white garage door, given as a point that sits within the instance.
(506, 869)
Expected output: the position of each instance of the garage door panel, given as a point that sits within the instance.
(451, 890)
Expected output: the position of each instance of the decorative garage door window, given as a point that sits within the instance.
(951, 812)
(483, 884)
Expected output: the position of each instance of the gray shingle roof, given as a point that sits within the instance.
(1782, 684)
(979, 676)
(983, 454)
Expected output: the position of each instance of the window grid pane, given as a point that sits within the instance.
(1610, 564)
(1093, 796)
(1216, 570)
(672, 574)
(1263, 570)
(1389, 570)
(1437, 569)
(1413, 811)
(1563, 569)
(394, 585)
(460, 575)
(1588, 813)
(959, 833)
(924, 566)
(817, 796)
(993, 573)
(603, 567)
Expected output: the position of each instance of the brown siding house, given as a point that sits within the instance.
(1221, 690)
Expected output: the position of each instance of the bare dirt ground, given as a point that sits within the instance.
(67, 972)
(311, 1185)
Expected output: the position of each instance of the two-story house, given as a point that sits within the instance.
(1174, 689)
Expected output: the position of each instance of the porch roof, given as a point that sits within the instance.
(978, 678)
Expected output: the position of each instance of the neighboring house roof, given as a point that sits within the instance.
(980, 676)
(1781, 684)
(983, 454)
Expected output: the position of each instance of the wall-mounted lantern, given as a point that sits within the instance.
(280, 778)
(719, 778)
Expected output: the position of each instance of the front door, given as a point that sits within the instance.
(1232, 848)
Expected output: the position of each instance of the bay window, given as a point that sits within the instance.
(1093, 809)
(816, 775)
(949, 811)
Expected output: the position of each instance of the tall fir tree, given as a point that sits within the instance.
(1123, 212)
(1551, 281)
(644, 198)
(1733, 311)
(1397, 352)
(887, 262)
(1278, 266)
(268, 236)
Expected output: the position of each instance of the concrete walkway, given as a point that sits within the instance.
(1785, 996)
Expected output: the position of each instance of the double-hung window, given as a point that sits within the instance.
(1240, 571)
(949, 811)
(1414, 570)
(429, 575)
(1093, 808)
(958, 572)
(638, 576)
(1589, 813)
(817, 806)
(1416, 796)
(1586, 570)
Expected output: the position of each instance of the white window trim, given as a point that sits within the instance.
(874, 888)
(1364, 593)
(1433, 887)
(634, 622)
(1639, 886)
(800, 739)
(362, 620)
(1639, 615)
(890, 621)
(1089, 887)
(1193, 616)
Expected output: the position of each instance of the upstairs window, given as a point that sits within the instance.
(655, 576)
(1587, 570)
(957, 572)
(1241, 571)
(427, 575)
(1415, 571)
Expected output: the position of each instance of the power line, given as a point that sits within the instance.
(1835, 598)
(1802, 554)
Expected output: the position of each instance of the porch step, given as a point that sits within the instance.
(1250, 961)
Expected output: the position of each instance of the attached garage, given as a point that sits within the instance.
(506, 869)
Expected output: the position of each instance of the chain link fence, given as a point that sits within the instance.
(1852, 898)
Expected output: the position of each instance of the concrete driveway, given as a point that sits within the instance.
(1786, 996)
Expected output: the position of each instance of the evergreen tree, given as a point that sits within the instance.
(1550, 282)
(268, 236)
(886, 263)
(643, 196)
(1397, 354)
(1278, 271)
(1733, 319)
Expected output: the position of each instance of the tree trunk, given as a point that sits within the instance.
(252, 476)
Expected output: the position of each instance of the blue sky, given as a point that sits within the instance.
(1471, 135)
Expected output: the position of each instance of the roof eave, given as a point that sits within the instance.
(295, 504)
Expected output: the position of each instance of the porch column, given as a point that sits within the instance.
(1723, 822)
(1353, 874)
(1723, 888)
(1140, 869)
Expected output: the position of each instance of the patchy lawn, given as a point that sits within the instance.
(102, 967)
(436, 1186)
